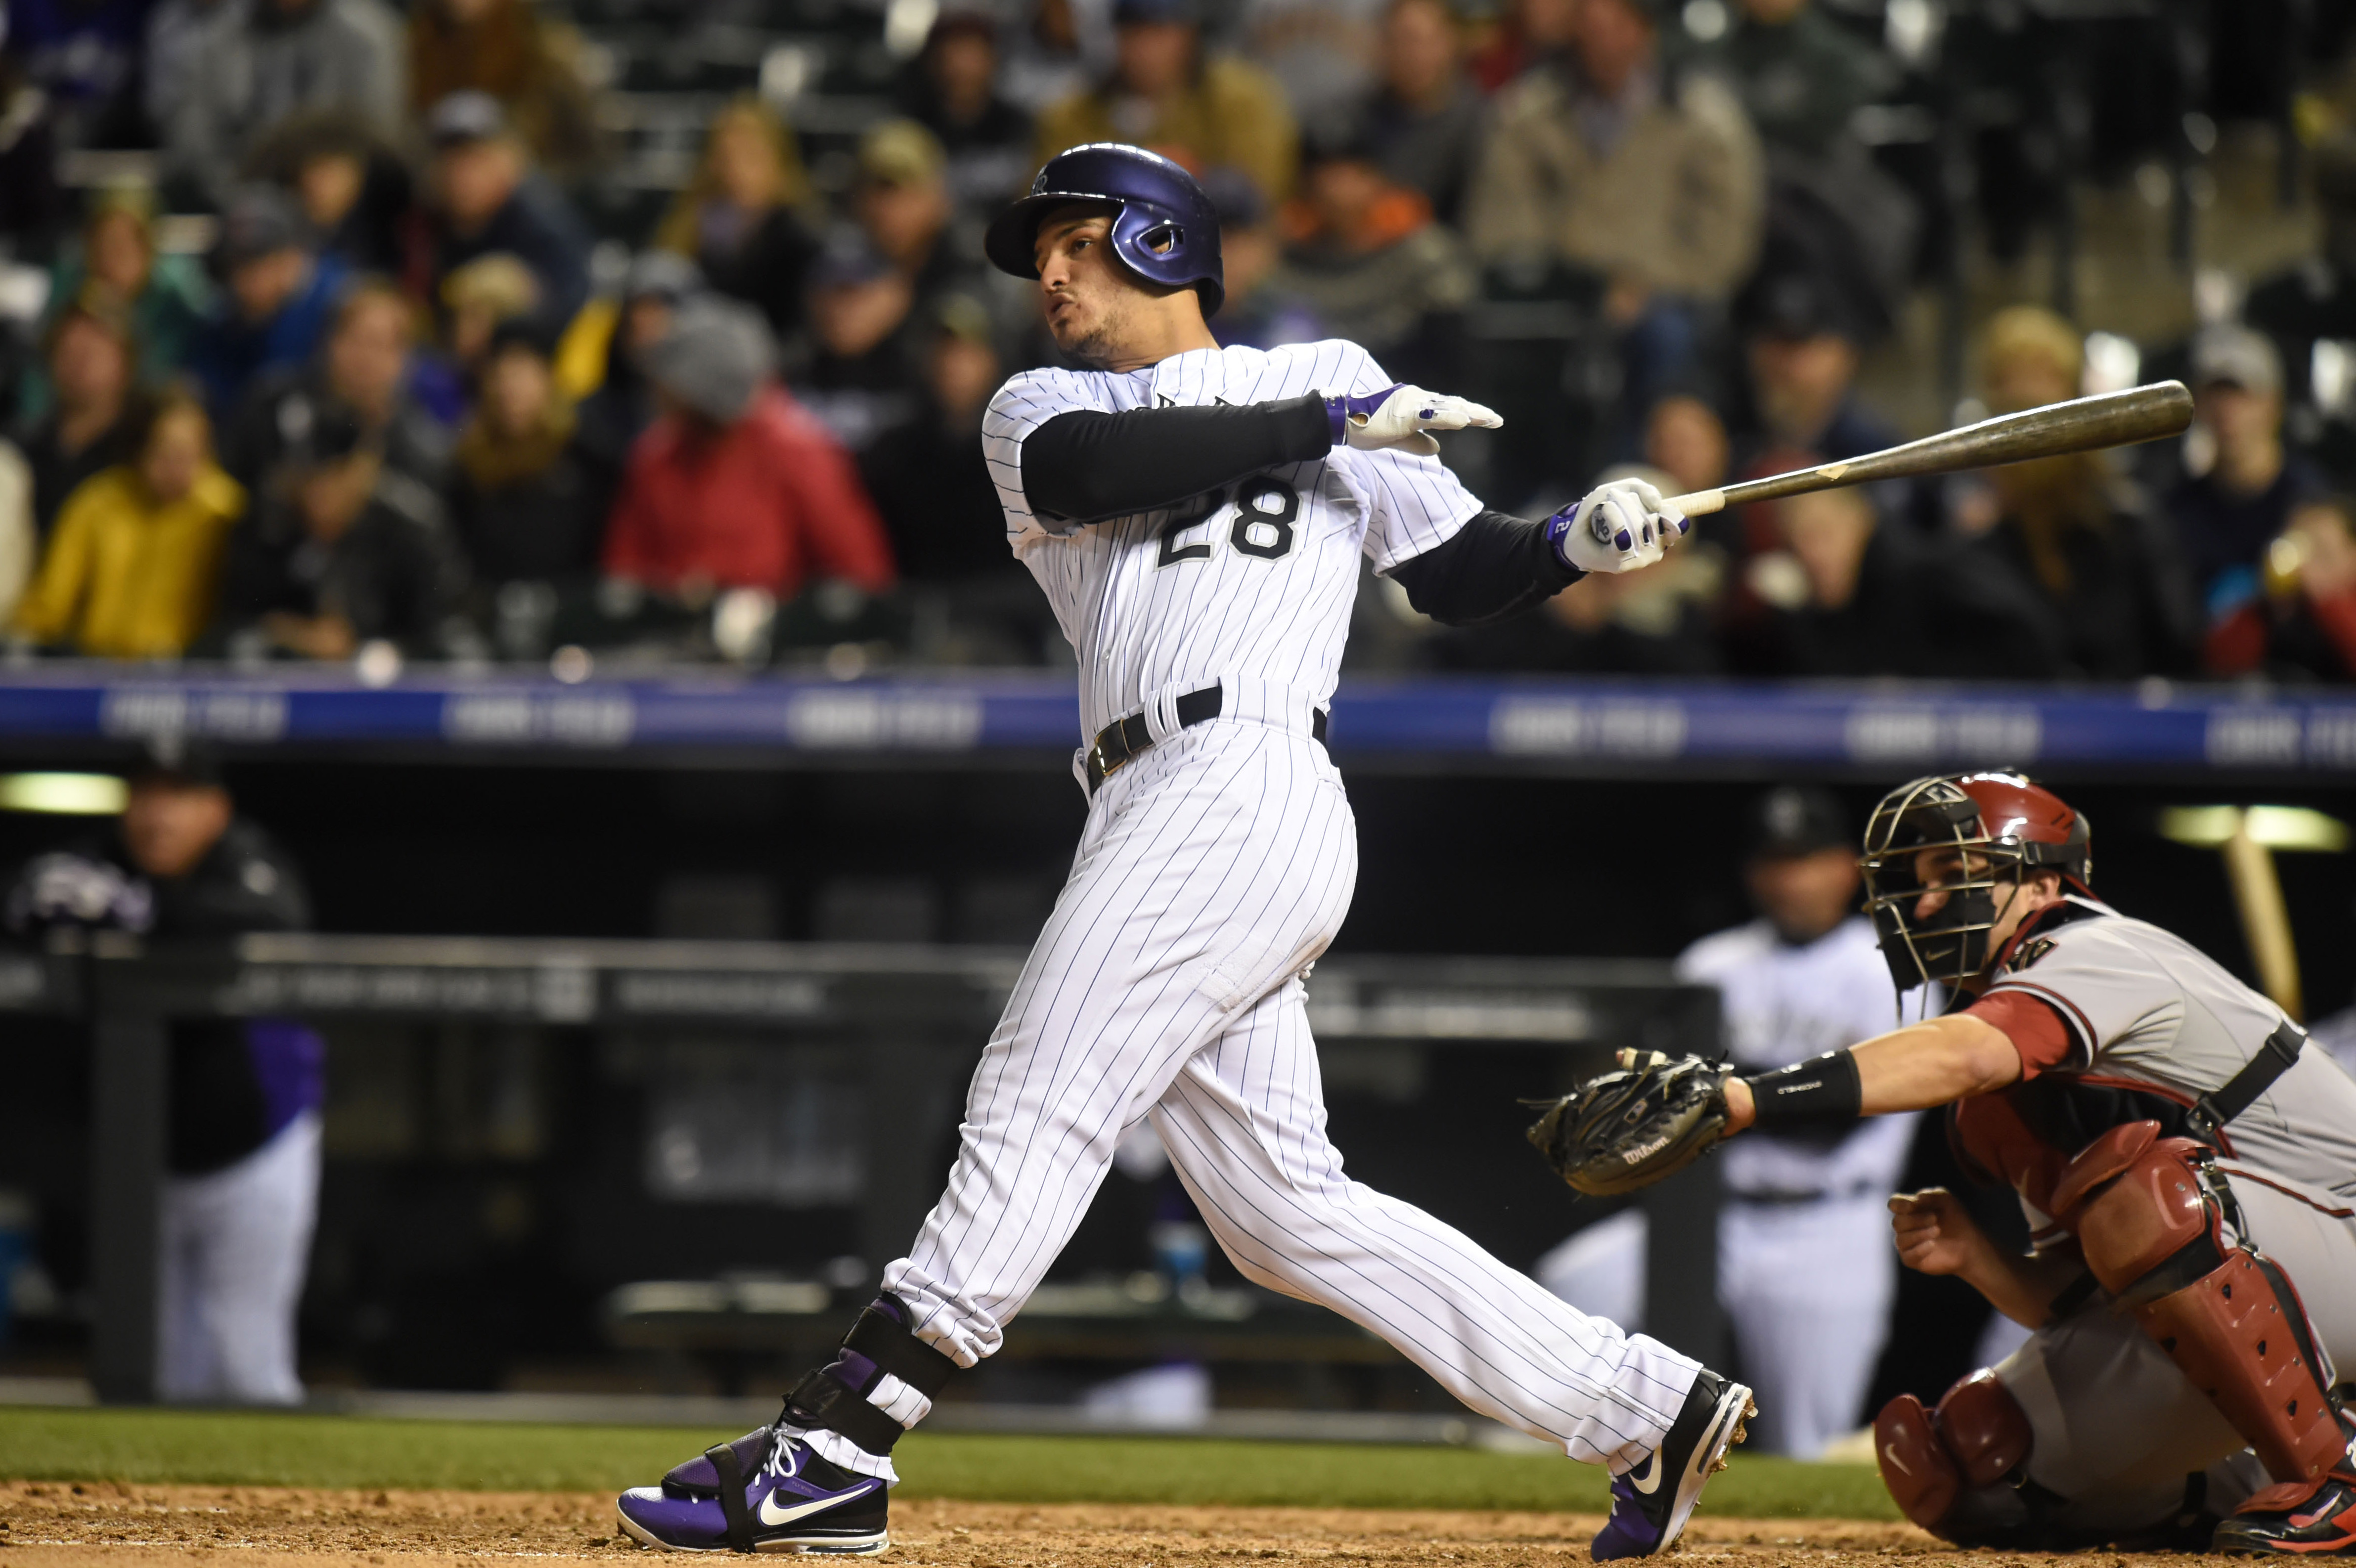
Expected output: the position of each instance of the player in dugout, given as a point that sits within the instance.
(2186, 1161)
(1196, 517)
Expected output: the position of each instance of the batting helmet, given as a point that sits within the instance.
(1165, 228)
(2002, 826)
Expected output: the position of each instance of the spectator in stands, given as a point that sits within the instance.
(241, 1116)
(2302, 627)
(343, 552)
(363, 371)
(1164, 92)
(130, 567)
(84, 57)
(1064, 46)
(475, 297)
(1258, 313)
(278, 297)
(529, 501)
(624, 404)
(258, 61)
(506, 48)
(739, 217)
(1596, 158)
(735, 485)
(1526, 32)
(1802, 76)
(1685, 439)
(902, 203)
(176, 30)
(1801, 343)
(1426, 116)
(1846, 593)
(353, 191)
(2241, 496)
(97, 413)
(1599, 162)
(2108, 572)
(952, 89)
(927, 473)
(1368, 262)
(2315, 302)
(860, 377)
(165, 298)
(1323, 53)
(488, 200)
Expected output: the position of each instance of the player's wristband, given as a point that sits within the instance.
(1339, 409)
(1823, 1088)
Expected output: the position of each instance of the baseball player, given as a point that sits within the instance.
(1195, 516)
(1803, 1270)
(2186, 1161)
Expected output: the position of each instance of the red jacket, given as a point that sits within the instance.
(770, 502)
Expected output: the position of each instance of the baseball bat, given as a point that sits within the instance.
(2083, 425)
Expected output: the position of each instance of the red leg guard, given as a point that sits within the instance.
(1923, 1478)
(1984, 1428)
(1977, 1439)
(2149, 1216)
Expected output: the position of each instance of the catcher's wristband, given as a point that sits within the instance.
(1807, 1094)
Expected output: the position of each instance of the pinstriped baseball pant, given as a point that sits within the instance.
(1214, 869)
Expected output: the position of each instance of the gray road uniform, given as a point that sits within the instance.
(2119, 1024)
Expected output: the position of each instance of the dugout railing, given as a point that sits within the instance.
(916, 1016)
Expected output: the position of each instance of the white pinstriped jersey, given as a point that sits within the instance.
(1253, 581)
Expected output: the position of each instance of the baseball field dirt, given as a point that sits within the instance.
(58, 1524)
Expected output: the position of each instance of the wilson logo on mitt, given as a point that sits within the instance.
(1650, 1118)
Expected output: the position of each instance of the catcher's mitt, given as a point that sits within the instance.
(1629, 1128)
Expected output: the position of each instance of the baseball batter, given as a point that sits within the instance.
(1196, 516)
(2188, 1165)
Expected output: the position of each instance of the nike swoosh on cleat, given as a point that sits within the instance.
(1636, 1476)
(777, 1516)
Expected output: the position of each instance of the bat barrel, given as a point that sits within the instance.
(2085, 424)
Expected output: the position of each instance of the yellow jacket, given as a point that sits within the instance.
(124, 577)
(1234, 115)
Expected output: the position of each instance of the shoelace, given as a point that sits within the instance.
(781, 1461)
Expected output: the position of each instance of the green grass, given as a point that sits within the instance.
(348, 1451)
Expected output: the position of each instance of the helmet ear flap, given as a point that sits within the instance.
(1163, 239)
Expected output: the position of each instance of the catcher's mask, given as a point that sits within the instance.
(2001, 826)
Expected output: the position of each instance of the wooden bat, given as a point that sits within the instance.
(2083, 425)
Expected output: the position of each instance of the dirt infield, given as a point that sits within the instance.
(107, 1525)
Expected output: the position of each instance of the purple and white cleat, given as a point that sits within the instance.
(763, 1492)
(1651, 1503)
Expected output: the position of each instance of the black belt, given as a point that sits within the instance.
(2240, 1092)
(1123, 739)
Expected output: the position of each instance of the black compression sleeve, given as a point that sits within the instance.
(1088, 466)
(1821, 1090)
(1494, 567)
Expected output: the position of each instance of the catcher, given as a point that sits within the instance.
(2187, 1163)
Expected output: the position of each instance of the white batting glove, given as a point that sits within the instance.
(1401, 416)
(1618, 526)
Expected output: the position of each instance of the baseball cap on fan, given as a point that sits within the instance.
(1792, 820)
(2235, 356)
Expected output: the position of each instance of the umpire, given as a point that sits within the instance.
(242, 1140)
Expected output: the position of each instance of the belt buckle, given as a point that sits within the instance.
(1103, 767)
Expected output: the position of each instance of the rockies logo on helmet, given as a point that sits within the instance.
(1164, 228)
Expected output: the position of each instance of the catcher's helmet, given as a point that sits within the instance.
(1166, 228)
(2004, 824)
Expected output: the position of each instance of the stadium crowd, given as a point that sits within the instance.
(420, 389)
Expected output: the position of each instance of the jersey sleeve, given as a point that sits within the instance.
(2086, 995)
(1027, 401)
(1412, 502)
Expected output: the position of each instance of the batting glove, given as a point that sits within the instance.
(1400, 416)
(1617, 527)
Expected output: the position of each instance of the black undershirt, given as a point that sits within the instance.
(1090, 466)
